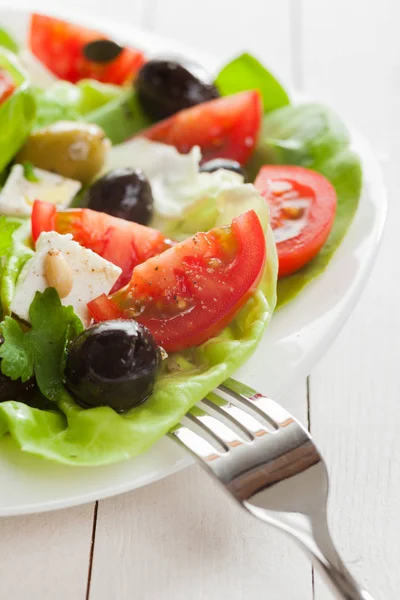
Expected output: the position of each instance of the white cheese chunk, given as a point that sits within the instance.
(19, 194)
(92, 275)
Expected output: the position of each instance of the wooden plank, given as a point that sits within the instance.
(46, 556)
(183, 538)
(351, 52)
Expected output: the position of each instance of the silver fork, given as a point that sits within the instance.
(269, 463)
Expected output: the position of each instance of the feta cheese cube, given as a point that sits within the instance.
(92, 275)
(19, 194)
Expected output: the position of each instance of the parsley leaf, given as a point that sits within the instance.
(29, 172)
(53, 325)
(16, 353)
(41, 350)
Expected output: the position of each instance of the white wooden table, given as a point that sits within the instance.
(180, 539)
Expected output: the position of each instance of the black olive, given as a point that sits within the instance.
(165, 87)
(114, 364)
(124, 193)
(101, 51)
(15, 389)
(223, 163)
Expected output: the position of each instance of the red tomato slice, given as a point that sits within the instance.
(59, 45)
(124, 243)
(7, 85)
(43, 218)
(193, 290)
(223, 128)
(302, 206)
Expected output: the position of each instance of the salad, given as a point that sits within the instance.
(152, 218)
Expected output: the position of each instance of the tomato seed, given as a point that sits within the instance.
(293, 212)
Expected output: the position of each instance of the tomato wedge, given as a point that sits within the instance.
(123, 243)
(223, 128)
(59, 45)
(302, 206)
(193, 290)
(43, 218)
(7, 85)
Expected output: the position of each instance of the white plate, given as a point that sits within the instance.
(298, 336)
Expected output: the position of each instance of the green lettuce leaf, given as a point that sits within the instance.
(312, 136)
(121, 118)
(97, 436)
(16, 251)
(94, 95)
(7, 41)
(56, 103)
(306, 135)
(17, 113)
(7, 228)
(64, 101)
(246, 73)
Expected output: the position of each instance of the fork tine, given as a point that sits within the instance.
(196, 443)
(254, 406)
(215, 429)
(235, 418)
(263, 406)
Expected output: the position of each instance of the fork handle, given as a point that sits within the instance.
(342, 582)
(327, 558)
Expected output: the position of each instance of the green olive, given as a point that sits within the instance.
(75, 150)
